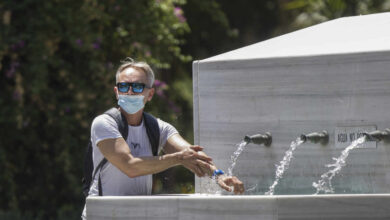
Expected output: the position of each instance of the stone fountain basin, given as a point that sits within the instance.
(199, 206)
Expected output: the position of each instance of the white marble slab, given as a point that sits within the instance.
(186, 207)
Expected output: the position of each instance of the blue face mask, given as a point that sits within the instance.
(131, 103)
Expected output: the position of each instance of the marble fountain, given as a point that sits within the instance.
(332, 77)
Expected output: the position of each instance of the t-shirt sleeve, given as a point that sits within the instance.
(104, 127)
(166, 131)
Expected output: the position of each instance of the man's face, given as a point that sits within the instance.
(134, 75)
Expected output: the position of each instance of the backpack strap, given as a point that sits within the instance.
(88, 169)
(120, 120)
(99, 167)
(123, 128)
(153, 131)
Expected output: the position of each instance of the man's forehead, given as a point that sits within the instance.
(130, 70)
(133, 72)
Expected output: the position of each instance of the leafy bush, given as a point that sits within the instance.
(57, 65)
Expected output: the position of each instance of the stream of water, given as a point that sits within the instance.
(284, 164)
(325, 183)
(233, 159)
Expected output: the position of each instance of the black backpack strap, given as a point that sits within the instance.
(120, 120)
(88, 169)
(153, 131)
(99, 167)
(123, 128)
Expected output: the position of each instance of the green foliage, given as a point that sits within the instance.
(58, 61)
(221, 26)
(310, 12)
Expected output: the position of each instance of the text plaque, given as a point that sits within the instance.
(345, 135)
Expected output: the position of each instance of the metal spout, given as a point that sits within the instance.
(316, 137)
(378, 135)
(265, 139)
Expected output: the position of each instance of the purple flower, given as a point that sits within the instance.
(159, 83)
(136, 45)
(11, 71)
(148, 53)
(18, 45)
(96, 45)
(79, 42)
(179, 14)
(160, 86)
(160, 93)
(173, 106)
(178, 10)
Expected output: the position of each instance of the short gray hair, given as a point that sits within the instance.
(130, 63)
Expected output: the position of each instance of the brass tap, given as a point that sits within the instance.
(378, 135)
(316, 137)
(265, 139)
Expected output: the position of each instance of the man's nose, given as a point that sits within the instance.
(130, 92)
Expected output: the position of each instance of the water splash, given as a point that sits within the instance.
(284, 164)
(325, 183)
(251, 188)
(233, 159)
(210, 186)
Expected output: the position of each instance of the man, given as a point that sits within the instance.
(131, 162)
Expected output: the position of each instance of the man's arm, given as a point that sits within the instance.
(177, 144)
(118, 153)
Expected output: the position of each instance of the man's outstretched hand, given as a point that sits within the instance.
(230, 183)
(194, 159)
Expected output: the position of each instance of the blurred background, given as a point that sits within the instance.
(57, 72)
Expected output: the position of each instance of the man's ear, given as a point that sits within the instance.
(116, 92)
(151, 93)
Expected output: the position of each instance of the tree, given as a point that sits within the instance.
(309, 12)
(58, 61)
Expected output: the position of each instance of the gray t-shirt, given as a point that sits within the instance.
(114, 182)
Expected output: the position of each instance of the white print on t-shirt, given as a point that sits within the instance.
(134, 145)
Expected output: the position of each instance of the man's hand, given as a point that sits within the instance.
(230, 183)
(194, 161)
